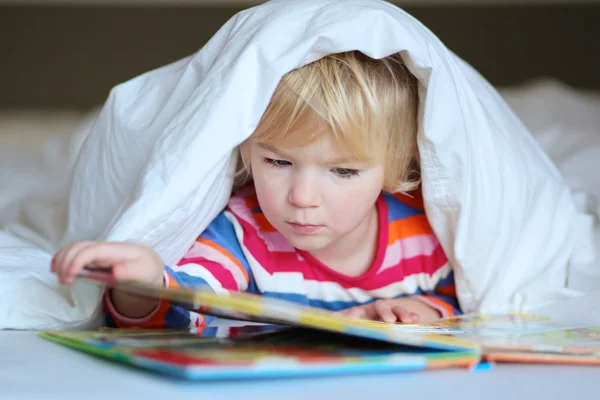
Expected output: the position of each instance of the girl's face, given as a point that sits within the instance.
(314, 197)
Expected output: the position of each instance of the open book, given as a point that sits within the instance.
(298, 340)
(529, 338)
(256, 308)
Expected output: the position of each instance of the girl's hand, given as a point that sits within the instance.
(406, 310)
(127, 261)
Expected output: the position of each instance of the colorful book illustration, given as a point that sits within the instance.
(257, 352)
(528, 338)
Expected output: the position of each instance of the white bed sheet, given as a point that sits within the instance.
(32, 368)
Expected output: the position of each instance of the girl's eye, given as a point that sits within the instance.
(277, 163)
(345, 172)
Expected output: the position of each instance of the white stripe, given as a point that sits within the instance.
(274, 241)
(422, 245)
(212, 254)
(332, 291)
(264, 280)
(199, 271)
(193, 318)
(294, 283)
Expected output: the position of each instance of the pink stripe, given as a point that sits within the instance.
(206, 254)
(271, 261)
(412, 266)
(274, 241)
(289, 262)
(197, 250)
(222, 274)
(403, 258)
(398, 273)
(200, 253)
(238, 207)
(219, 272)
(422, 245)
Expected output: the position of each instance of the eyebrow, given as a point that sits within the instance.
(269, 147)
(337, 160)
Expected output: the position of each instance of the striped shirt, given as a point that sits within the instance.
(241, 251)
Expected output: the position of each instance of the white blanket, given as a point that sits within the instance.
(156, 166)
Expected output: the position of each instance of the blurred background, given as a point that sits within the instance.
(67, 54)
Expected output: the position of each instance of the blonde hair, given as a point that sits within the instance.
(370, 105)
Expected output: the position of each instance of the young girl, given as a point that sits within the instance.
(332, 218)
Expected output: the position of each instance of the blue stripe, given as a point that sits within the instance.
(222, 232)
(186, 280)
(109, 321)
(326, 305)
(335, 305)
(398, 210)
(447, 281)
(177, 317)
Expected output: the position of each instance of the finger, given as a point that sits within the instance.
(355, 312)
(75, 249)
(384, 311)
(404, 315)
(125, 271)
(62, 259)
(98, 254)
(59, 257)
(53, 261)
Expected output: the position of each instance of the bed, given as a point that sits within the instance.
(42, 130)
(43, 370)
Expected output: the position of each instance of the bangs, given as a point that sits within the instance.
(327, 97)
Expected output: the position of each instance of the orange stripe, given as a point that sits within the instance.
(173, 284)
(539, 358)
(407, 227)
(227, 254)
(158, 319)
(200, 326)
(251, 202)
(442, 304)
(446, 291)
(259, 217)
(262, 222)
(413, 199)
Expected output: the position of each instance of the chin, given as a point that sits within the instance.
(308, 243)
